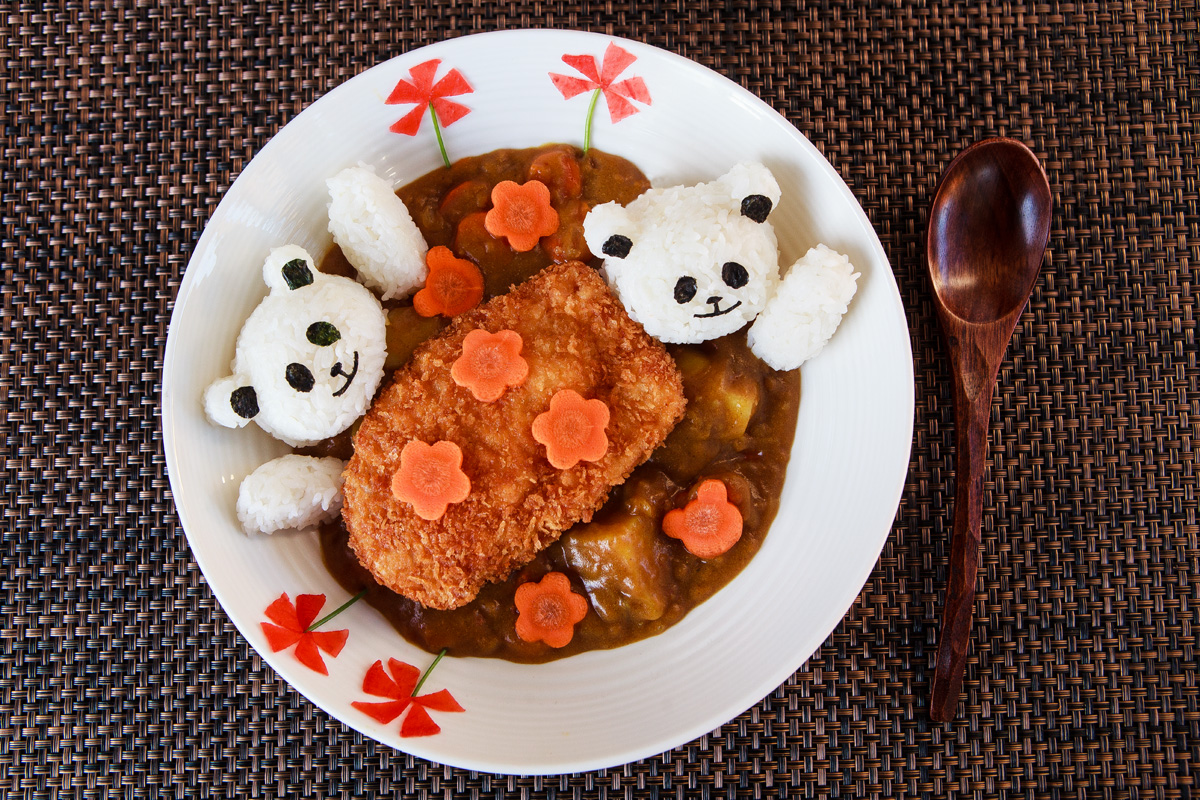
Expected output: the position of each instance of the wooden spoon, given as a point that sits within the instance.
(988, 229)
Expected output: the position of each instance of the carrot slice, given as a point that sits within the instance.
(490, 363)
(572, 430)
(709, 525)
(548, 610)
(430, 478)
(454, 285)
(521, 213)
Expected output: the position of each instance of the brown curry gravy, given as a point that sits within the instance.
(739, 426)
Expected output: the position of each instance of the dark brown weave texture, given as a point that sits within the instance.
(124, 124)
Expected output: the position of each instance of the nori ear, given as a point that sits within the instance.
(756, 207)
(617, 246)
(297, 273)
(244, 401)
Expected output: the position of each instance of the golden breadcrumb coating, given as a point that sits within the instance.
(576, 335)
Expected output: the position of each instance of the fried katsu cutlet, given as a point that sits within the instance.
(575, 335)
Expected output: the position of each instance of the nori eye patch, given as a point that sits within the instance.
(323, 334)
(299, 377)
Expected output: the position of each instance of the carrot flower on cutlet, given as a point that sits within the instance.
(573, 429)
(490, 364)
(430, 478)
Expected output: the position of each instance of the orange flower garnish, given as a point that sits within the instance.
(490, 363)
(548, 610)
(430, 478)
(709, 525)
(572, 430)
(521, 213)
(454, 285)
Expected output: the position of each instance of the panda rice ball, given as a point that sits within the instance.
(308, 359)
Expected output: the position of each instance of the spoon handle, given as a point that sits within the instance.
(973, 387)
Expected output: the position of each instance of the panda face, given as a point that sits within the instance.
(310, 356)
(692, 263)
(691, 283)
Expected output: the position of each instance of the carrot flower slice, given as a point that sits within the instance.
(490, 363)
(548, 610)
(430, 478)
(454, 285)
(521, 213)
(709, 525)
(572, 430)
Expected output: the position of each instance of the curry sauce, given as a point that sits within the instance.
(738, 428)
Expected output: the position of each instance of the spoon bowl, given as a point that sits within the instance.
(988, 229)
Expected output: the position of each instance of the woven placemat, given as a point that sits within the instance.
(124, 124)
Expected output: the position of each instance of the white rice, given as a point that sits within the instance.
(290, 493)
(806, 309)
(376, 232)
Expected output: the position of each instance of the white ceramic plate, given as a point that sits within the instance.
(844, 482)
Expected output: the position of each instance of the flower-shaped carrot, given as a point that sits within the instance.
(430, 478)
(490, 363)
(521, 213)
(709, 525)
(548, 610)
(454, 285)
(572, 430)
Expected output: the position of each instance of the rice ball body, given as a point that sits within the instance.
(308, 359)
(806, 309)
(291, 492)
(376, 233)
(692, 263)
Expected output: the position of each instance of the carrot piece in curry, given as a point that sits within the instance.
(521, 213)
(430, 478)
(572, 430)
(490, 363)
(454, 285)
(709, 525)
(548, 610)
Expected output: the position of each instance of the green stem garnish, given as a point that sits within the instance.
(428, 670)
(587, 130)
(437, 130)
(338, 610)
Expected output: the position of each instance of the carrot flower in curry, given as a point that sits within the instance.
(430, 478)
(548, 610)
(293, 625)
(490, 363)
(427, 94)
(709, 525)
(521, 213)
(573, 429)
(400, 688)
(454, 285)
(600, 80)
